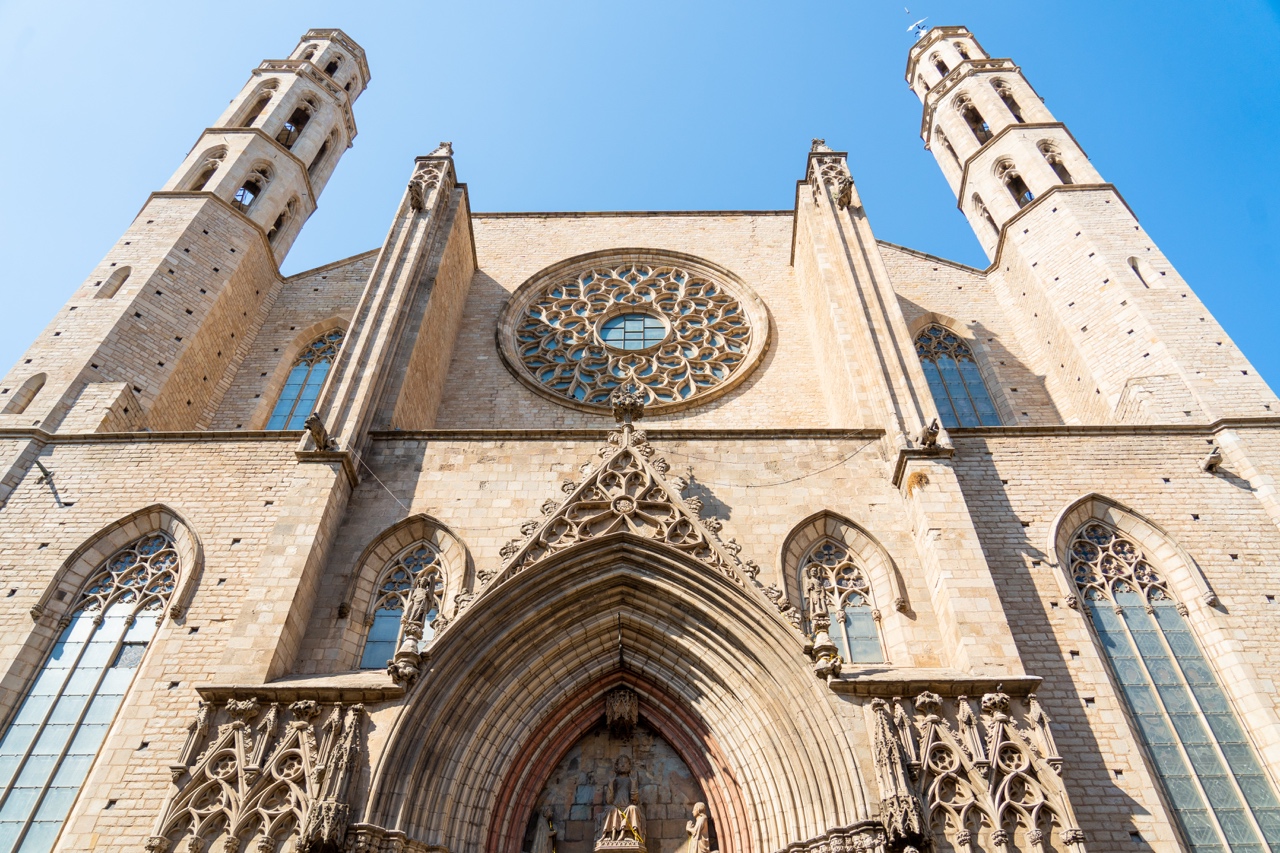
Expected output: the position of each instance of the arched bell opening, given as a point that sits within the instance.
(517, 679)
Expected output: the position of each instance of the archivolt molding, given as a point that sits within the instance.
(1174, 562)
(868, 553)
(618, 607)
(64, 589)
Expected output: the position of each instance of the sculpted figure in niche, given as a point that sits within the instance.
(545, 839)
(623, 821)
(699, 840)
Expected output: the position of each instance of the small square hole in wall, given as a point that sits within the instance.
(11, 593)
(1195, 517)
(1089, 702)
(268, 503)
(111, 804)
(1075, 653)
(1135, 836)
(194, 630)
(1234, 556)
(1270, 599)
(1053, 605)
(1166, 479)
(42, 546)
(235, 541)
(220, 582)
(173, 685)
(144, 744)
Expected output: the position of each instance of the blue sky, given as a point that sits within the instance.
(646, 106)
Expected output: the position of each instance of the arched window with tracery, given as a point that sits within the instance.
(1053, 157)
(941, 136)
(973, 118)
(835, 584)
(954, 379)
(252, 188)
(60, 726)
(406, 604)
(297, 122)
(1005, 91)
(302, 387)
(980, 208)
(208, 166)
(1013, 182)
(259, 103)
(1211, 775)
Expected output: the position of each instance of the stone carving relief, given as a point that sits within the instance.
(983, 780)
(867, 836)
(627, 493)
(260, 774)
(623, 825)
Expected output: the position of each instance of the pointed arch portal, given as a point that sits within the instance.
(720, 678)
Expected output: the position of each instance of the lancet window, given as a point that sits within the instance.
(295, 124)
(406, 604)
(954, 379)
(973, 118)
(835, 584)
(1006, 94)
(251, 188)
(1012, 179)
(60, 726)
(298, 397)
(1053, 157)
(1212, 777)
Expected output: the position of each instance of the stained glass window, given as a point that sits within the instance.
(1212, 777)
(954, 379)
(853, 624)
(60, 726)
(632, 331)
(298, 398)
(418, 565)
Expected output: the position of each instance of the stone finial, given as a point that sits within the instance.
(628, 404)
(819, 145)
(444, 149)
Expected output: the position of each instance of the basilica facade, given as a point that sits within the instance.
(648, 531)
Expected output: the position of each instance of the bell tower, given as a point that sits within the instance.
(1116, 329)
(153, 336)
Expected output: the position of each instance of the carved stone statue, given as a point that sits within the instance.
(623, 827)
(544, 840)
(422, 600)
(699, 840)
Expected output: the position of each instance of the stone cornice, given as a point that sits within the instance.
(988, 146)
(668, 434)
(257, 229)
(280, 149)
(885, 244)
(596, 435)
(1036, 204)
(305, 68)
(362, 686)
(573, 214)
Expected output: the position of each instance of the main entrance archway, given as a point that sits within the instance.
(522, 675)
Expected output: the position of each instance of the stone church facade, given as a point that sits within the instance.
(736, 531)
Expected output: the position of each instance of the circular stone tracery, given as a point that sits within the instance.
(681, 330)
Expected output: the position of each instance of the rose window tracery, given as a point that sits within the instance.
(679, 331)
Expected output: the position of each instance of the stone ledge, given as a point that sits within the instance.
(653, 433)
(347, 687)
(889, 682)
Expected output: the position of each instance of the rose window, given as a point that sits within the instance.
(680, 332)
